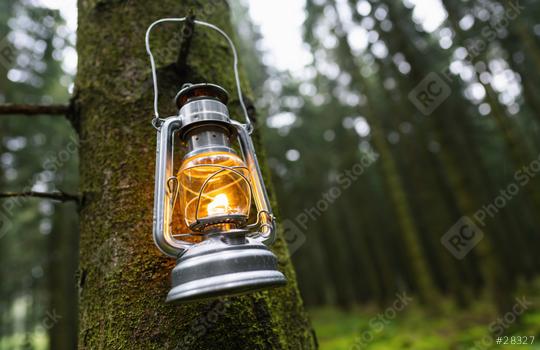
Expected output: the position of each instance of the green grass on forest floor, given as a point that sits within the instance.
(416, 328)
(35, 341)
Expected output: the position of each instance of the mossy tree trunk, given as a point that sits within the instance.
(123, 277)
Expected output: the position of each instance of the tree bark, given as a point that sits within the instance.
(123, 278)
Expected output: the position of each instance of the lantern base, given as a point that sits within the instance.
(214, 267)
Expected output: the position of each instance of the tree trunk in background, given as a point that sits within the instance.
(124, 279)
(63, 261)
(395, 189)
(394, 185)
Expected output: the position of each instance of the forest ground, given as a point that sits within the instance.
(417, 327)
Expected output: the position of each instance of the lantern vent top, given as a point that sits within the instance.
(193, 92)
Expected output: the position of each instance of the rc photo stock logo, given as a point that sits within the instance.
(430, 93)
(465, 234)
(293, 235)
(461, 238)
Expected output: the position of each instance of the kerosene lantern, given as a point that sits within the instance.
(203, 213)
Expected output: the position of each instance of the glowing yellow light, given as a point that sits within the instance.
(213, 185)
(220, 205)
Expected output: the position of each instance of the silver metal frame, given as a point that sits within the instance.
(163, 236)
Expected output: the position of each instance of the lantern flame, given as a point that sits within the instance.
(220, 205)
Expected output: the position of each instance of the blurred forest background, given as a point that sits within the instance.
(379, 148)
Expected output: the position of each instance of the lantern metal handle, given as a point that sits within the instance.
(157, 121)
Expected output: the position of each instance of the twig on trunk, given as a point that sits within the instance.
(57, 196)
(69, 111)
(11, 108)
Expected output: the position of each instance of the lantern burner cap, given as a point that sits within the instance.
(203, 223)
(191, 92)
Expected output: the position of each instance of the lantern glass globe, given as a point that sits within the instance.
(214, 191)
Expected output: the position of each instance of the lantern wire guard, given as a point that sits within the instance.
(232, 257)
